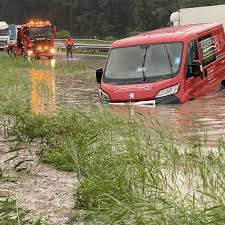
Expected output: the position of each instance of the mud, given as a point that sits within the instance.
(41, 189)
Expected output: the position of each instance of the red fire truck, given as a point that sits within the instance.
(35, 39)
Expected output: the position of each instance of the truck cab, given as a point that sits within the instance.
(164, 66)
(175, 19)
(4, 35)
(36, 39)
(203, 14)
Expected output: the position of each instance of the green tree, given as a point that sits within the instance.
(102, 18)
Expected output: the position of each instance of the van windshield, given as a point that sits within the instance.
(4, 32)
(143, 63)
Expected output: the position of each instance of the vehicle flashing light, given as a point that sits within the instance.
(45, 48)
(37, 23)
(30, 53)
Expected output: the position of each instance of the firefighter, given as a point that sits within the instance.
(69, 47)
(19, 41)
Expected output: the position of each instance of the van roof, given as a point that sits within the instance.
(168, 34)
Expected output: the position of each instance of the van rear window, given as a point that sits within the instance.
(208, 49)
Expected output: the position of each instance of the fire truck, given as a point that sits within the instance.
(35, 39)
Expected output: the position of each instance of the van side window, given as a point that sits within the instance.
(192, 55)
(208, 49)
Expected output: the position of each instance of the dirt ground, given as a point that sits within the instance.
(42, 189)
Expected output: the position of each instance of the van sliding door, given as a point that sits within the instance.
(208, 50)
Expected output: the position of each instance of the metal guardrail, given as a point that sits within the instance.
(86, 40)
(59, 44)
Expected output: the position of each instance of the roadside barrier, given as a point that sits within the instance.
(59, 44)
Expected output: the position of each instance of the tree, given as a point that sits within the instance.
(89, 18)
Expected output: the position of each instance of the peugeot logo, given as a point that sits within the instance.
(131, 96)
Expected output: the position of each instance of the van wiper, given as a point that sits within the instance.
(168, 55)
(143, 72)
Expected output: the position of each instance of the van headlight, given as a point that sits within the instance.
(168, 91)
(103, 97)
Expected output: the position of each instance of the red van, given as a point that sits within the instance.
(168, 65)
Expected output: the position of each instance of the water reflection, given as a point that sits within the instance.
(43, 91)
(75, 90)
(204, 117)
(191, 122)
(198, 121)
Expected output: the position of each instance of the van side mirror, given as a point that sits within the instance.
(99, 74)
(194, 69)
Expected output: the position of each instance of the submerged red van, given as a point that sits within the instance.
(168, 65)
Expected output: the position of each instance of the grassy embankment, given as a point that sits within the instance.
(128, 175)
(15, 97)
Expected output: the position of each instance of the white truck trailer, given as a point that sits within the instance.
(4, 35)
(205, 14)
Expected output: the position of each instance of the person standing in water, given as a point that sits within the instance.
(69, 47)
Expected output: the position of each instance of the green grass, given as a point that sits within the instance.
(11, 214)
(15, 106)
(127, 175)
(131, 169)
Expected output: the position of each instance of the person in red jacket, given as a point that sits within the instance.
(69, 47)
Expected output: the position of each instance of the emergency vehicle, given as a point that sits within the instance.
(168, 65)
(35, 39)
(13, 31)
(4, 35)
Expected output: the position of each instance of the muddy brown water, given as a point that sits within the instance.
(197, 120)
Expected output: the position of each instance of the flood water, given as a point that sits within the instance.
(203, 118)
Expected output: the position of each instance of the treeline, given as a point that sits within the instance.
(101, 18)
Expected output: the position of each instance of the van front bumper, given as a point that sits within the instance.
(171, 99)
